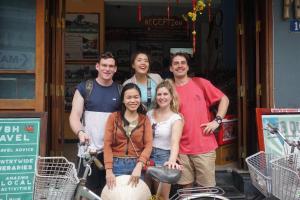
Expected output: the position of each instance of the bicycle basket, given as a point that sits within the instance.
(55, 178)
(285, 177)
(260, 171)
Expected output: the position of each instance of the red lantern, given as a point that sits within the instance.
(194, 38)
(194, 28)
(209, 10)
(139, 12)
(168, 10)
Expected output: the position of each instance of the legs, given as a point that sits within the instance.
(160, 156)
(163, 191)
(198, 168)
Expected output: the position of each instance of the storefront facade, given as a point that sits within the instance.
(33, 62)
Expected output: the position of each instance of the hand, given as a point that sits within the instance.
(173, 165)
(135, 175)
(84, 138)
(210, 127)
(110, 179)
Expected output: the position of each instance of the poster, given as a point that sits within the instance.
(82, 36)
(74, 74)
(287, 123)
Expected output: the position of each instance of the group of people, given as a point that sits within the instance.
(147, 117)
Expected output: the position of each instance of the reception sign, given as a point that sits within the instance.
(19, 148)
(287, 121)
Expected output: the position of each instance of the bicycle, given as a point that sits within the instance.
(56, 178)
(171, 176)
(278, 176)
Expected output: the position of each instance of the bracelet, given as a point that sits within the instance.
(79, 132)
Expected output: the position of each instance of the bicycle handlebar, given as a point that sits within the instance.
(275, 130)
(90, 156)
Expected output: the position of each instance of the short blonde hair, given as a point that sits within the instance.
(174, 104)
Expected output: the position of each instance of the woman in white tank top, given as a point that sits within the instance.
(167, 126)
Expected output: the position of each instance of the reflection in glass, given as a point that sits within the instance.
(17, 35)
(14, 86)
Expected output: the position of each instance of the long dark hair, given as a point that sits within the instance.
(141, 109)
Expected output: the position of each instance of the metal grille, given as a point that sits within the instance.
(55, 178)
(260, 172)
(285, 177)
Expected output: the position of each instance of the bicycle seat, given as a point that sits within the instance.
(164, 174)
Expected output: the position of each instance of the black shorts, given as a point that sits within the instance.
(97, 180)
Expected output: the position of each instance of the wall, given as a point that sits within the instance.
(286, 61)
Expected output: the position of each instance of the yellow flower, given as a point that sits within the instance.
(184, 18)
(200, 5)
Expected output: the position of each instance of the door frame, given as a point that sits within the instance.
(263, 70)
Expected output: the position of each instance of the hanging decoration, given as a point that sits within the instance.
(139, 12)
(177, 2)
(168, 9)
(198, 8)
(209, 10)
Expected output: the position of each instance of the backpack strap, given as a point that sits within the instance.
(88, 90)
(120, 87)
(148, 93)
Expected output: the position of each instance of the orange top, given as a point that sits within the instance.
(117, 144)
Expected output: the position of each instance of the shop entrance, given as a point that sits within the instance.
(222, 53)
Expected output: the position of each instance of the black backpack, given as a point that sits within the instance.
(89, 84)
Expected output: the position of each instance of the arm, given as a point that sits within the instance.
(145, 155)
(177, 127)
(223, 106)
(210, 127)
(108, 140)
(75, 116)
(108, 155)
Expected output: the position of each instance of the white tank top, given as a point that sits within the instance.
(162, 130)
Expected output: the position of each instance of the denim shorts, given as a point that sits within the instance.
(160, 156)
(123, 166)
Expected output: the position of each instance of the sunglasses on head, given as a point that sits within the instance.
(154, 125)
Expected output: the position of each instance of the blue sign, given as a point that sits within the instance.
(294, 25)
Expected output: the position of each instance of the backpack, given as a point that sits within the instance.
(89, 84)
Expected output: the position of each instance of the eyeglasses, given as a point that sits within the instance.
(154, 126)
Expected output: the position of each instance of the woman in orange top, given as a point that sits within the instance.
(127, 139)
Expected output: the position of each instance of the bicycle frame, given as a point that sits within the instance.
(82, 191)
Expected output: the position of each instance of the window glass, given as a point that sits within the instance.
(17, 34)
(15, 86)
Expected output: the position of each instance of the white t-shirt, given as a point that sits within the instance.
(162, 130)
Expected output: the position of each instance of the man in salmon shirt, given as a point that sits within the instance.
(198, 144)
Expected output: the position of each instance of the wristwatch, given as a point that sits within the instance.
(218, 119)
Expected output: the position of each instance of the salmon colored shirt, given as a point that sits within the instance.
(117, 144)
(195, 101)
